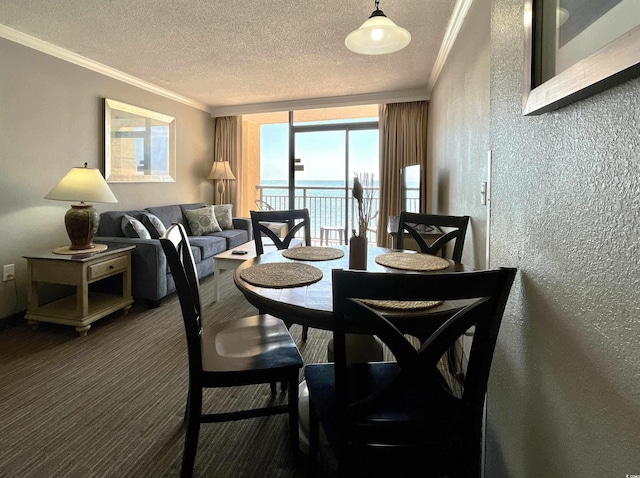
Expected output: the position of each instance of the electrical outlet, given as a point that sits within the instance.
(8, 272)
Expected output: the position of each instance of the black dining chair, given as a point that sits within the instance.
(455, 230)
(401, 417)
(297, 219)
(244, 351)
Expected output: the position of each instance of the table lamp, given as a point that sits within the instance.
(84, 185)
(221, 170)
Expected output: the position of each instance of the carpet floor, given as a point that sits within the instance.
(111, 404)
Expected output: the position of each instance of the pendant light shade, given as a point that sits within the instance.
(377, 36)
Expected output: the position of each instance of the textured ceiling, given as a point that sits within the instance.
(243, 53)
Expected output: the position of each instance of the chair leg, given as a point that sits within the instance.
(314, 434)
(193, 431)
(186, 408)
(293, 415)
(305, 332)
(273, 389)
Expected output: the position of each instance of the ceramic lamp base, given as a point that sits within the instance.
(82, 224)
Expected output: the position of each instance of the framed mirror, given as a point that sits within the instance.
(140, 145)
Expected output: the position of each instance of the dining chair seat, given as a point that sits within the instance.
(409, 414)
(236, 352)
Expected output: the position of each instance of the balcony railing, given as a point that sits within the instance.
(328, 206)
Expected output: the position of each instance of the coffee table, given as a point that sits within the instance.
(227, 260)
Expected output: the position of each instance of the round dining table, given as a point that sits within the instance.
(312, 304)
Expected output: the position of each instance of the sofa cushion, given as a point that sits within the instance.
(208, 246)
(111, 222)
(233, 237)
(154, 225)
(197, 257)
(224, 215)
(188, 207)
(167, 214)
(202, 221)
(131, 227)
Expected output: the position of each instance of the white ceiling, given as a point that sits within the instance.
(242, 56)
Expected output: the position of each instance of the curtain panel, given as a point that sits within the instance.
(403, 142)
(227, 134)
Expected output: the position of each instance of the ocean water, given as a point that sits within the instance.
(326, 200)
(328, 186)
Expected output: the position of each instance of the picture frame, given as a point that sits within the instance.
(140, 144)
(613, 63)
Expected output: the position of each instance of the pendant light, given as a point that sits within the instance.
(377, 36)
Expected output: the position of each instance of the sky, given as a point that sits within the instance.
(322, 153)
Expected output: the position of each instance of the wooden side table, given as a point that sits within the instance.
(79, 270)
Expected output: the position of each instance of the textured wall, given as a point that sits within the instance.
(51, 119)
(564, 395)
(458, 135)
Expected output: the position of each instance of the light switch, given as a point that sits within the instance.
(483, 193)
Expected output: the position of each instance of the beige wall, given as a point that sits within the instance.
(51, 119)
(564, 396)
(458, 135)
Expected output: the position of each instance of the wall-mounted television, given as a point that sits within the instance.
(410, 188)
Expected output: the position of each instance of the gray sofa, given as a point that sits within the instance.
(151, 279)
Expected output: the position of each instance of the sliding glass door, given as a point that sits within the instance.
(307, 159)
(324, 161)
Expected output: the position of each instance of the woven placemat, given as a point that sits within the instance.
(412, 262)
(401, 304)
(313, 253)
(280, 275)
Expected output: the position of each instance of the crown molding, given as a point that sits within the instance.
(330, 102)
(453, 28)
(231, 110)
(66, 55)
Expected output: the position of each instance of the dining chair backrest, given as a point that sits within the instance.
(177, 250)
(297, 219)
(455, 229)
(482, 295)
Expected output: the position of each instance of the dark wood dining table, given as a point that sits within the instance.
(312, 305)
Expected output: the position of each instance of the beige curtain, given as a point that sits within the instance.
(403, 142)
(227, 146)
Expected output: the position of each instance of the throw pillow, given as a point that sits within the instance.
(202, 221)
(223, 213)
(131, 227)
(154, 225)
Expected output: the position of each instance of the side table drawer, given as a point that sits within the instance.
(107, 268)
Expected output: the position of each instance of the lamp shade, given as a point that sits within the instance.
(377, 36)
(221, 170)
(83, 185)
